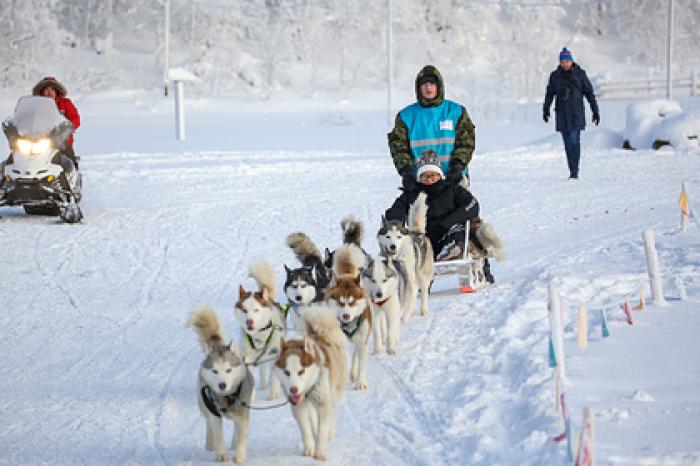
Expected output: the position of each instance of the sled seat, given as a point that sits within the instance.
(469, 272)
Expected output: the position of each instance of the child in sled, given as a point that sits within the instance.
(449, 208)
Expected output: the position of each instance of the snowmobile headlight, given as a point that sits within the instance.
(41, 146)
(27, 147)
(24, 146)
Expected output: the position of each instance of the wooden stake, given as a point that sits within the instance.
(640, 306)
(626, 309)
(582, 326)
(685, 208)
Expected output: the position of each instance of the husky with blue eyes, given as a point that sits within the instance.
(224, 388)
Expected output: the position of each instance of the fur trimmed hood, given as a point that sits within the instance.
(49, 81)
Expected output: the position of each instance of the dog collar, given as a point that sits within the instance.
(210, 402)
(381, 303)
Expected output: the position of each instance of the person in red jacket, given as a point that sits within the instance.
(50, 87)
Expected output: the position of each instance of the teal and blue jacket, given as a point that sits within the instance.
(438, 124)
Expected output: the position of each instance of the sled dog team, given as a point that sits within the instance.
(334, 302)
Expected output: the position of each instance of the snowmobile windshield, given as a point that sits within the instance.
(36, 116)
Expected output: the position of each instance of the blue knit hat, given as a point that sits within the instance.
(565, 54)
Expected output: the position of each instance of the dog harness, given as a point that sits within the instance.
(263, 350)
(346, 328)
(210, 401)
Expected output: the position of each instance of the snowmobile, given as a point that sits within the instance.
(38, 175)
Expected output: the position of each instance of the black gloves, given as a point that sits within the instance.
(545, 115)
(454, 174)
(596, 118)
(408, 179)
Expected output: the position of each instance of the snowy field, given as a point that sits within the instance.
(98, 368)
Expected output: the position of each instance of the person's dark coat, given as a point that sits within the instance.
(569, 87)
(448, 204)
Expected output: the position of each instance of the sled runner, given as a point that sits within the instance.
(470, 272)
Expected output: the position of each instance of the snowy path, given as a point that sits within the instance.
(99, 369)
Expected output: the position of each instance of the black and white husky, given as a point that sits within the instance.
(411, 247)
(308, 283)
(224, 387)
(263, 325)
(353, 233)
(382, 279)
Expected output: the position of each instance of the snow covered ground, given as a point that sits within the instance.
(98, 367)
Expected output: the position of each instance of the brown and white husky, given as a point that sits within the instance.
(350, 302)
(313, 371)
(263, 325)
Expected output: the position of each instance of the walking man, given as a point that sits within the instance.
(569, 84)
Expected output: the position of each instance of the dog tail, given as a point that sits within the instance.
(417, 214)
(206, 324)
(491, 242)
(304, 249)
(264, 275)
(353, 231)
(348, 259)
(324, 327)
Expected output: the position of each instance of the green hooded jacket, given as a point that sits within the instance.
(399, 145)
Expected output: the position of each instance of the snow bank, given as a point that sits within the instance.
(602, 138)
(644, 117)
(680, 130)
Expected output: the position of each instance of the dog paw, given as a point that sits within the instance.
(308, 451)
(424, 312)
(391, 352)
(320, 457)
(221, 457)
(240, 459)
(360, 386)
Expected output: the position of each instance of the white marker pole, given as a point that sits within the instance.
(555, 329)
(180, 110)
(653, 268)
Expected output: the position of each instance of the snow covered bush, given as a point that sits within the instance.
(643, 118)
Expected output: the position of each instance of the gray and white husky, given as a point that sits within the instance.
(382, 279)
(313, 371)
(224, 386)
(411, 247)
(263, 325)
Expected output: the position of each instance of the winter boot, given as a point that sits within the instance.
(487, 272)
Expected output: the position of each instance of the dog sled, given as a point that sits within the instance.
(468, 271)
